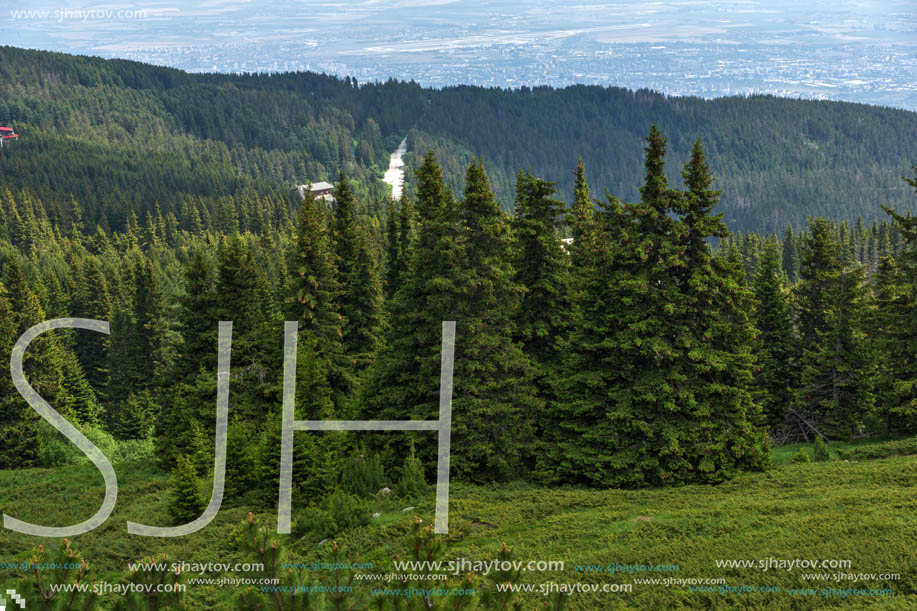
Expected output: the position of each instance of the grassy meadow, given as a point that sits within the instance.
(864, 511)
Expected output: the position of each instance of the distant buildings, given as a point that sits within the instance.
(319, 190)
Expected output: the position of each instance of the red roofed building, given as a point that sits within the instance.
(7, 134)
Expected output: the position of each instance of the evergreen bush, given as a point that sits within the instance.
(412, 484)
(336, 513)
(820, 450)
(186, 501)
(362, 475)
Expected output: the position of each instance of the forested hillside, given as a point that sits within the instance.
(779, 160)
(124, 137)
(654, 350)
(634, 356)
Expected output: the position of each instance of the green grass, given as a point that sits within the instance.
(862, 511)
(783, 455)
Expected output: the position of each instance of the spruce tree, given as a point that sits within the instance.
(544, 318)
(495, 397)
(186, 498)
(198, 317)
(345, 243)
(790, 255)
(19, 423)
(775, 347)
(313, 290)
(139, 354)
(405, 233)
(716, 354)
(399, 244)
(364, 294)
(191, 398)
(836, 369)
(45, 369)
(92, 300)
(887, 338)
(393, 262)
(896, 313)
(403, 381)
(581, 218)
(658, 378)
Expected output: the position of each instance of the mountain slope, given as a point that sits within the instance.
(129, 136)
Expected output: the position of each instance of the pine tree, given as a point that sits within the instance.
(775, 346)
(495, 402)
(790, 255)
(836, 371)
(658, 376)
(544, 318)
(403, 381)
(897, 311)
(186, 498)
(312, 295)
(581, 217)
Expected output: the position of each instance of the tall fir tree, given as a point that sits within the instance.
(403, 381)
(900, 313)
(658, 377)
(790, 255)
(495, 396)
(889, 332)
(580, 219)
(544, 317)
(776, 345)
(836, 369)
(313, 290)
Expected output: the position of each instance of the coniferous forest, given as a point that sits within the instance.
(631, 321)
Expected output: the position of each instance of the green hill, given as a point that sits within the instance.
(128, 136)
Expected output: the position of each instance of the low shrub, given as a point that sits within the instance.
(898, 447)
(820, 450)
(336, 513)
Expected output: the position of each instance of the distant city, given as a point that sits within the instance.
(857, 51)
